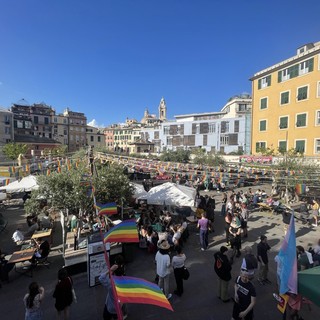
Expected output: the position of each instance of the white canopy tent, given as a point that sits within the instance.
(170, 194)
(26, 184)
(138, 190)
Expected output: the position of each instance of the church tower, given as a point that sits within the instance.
(162, 110)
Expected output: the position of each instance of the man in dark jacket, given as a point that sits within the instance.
(222, 267)
(262, 253)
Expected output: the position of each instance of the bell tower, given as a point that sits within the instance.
(162, 110)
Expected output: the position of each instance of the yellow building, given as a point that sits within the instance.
(286, 104)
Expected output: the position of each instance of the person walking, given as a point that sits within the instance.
(249, 262)
(222, 267)
(63, 294)
(203, 225)
(32, 302)
(262, 254)
(235, 237)
(244, 298)
(163, 267)
(178, 268)
(224, 204)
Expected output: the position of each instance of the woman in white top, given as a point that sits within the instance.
(32, 302)
(178, 269)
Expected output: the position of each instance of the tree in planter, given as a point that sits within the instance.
(200, 156)
(12, 150)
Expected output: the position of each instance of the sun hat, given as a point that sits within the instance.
(164, 244)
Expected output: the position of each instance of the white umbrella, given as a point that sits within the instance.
(26, 184)
(171, 194)
(138, 190)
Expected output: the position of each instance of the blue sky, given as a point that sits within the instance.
(113, 58)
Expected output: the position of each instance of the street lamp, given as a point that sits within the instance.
(286, 162)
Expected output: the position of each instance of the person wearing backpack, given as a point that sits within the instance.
(222, 267)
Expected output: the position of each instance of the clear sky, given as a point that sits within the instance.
(113, 58)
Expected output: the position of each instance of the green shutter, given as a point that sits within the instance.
(263, 103)
(279, 76)
(269, 80)
(257, 146)
(310, 63)
(263, 125)
(259, 84)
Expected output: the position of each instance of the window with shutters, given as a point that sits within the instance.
(263, 103)
(166, 130)
(283, 122)
(284, 97)
(173, 130)
(194, 128)
(263, 125)
(300, 146)
(318, 88)
(176, 141)
(204, 128)
(317, 146)
(169, 141)
(236, 125)
(318, 118)
(233, 139)
(205, 140)
(302, 93)
(189, 140)
(156, 134)
(301, 120)
(260, 146)
(264, 82)
(282, 146)
(296, 70)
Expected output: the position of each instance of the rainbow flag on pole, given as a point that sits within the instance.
(126, 231)
(301, 188)
(135, 290)
(107, 208)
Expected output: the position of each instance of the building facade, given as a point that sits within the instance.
(286, 104)
(225, 131)
(77, 124)
(95, 138)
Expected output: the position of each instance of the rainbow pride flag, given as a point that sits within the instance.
(107, 208)
(135, 290)
(126, 231)
(301, 188)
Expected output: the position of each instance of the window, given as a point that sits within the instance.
(224, 126)
(7, 130)
(284, 97)
(19, 124)
(318, 89)
(264, 82)
(302, 93)
(91, 138)
(318, 118)
(212, 127)
(99, 139)
(263, 125)
(236, 126)
(242, 107)
(28, 124)
(260, 146)
(224, 140)
(263, 103)
(46, 120)
(282, 146)
(300, 146)
(296, 70)
(64, 121)
(36, 119)
(283, 123)
(166, 130)
(7, 119)
(317, 146)
(55, 119)
(301, 120)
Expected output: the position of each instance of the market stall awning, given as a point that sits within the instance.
(26, 184)
(309, 284)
